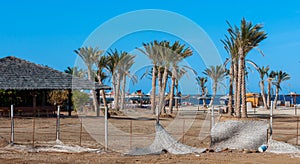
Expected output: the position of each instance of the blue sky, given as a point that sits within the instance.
(47, 32)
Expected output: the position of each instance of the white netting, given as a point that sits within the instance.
(164, 142)
(239, 134)
(58, 147)
(281, 147)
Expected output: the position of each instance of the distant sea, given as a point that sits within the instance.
(193, 99)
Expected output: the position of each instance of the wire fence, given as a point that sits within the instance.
(286, 129)
(128, 132)
(41, 131)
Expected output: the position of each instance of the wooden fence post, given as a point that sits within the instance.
(58, 124)
(80, 131)
(183, 125)
(297, 137)
(271, 119)
(12, 124)
(106, 128)
(34, 114)
(130, 134)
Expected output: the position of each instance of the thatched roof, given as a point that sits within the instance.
(18, 74)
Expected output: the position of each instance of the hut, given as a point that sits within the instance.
(21, 75)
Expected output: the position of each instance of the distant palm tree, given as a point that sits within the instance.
(202, 84)
(151, 50)
(90, 56)
(74, 71)
(263, 71)
(271, 77)
(125, 64)
(217, 74)
(231, 48)
(69, 70)
(279, 78)
(246, 37)
(101, 76)
(176, 74)
(165, 62)
(114, 58)
(179, 52)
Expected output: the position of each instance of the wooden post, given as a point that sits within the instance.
(69, 102)
(183, 125)
(295, 107)
(267, 135)
(211, 123)
(297, 131)
(157, 114)
(58, 124)
(271, 119)
(34, 114)
(80, 131)
(212, 117)
(98, 102)
(106, 128)
(130, 133)
(12, 124)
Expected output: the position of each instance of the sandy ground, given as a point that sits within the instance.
(186, 126)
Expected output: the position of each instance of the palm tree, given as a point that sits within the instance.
(166, 59)
(231, 48)
(125, 64)
(217, 74)
(101, 76)
(177, 73)
(90, 56)
(69, 70)
(202, 84)
(152, 52)
(74, 71)
(263, 71)
(246, 37)
(114, 58)
(179, 52)
(279, 78)
(271, 77)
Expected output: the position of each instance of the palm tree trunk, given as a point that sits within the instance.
(159, 75)
(176, 100)
(231, 78)
(117, 98)
(123, 92)
(162, 91)
(276, 97)
(269, 92)
(104, 100)
(262, 90)
(95, 103)
(203, 93)
(153, 90)
(102, 92)
(214, 94)
(172, 95)
(113, 81)
(235, 80)
(243, 91)
(238, 90)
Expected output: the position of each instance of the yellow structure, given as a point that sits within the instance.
(254, 98)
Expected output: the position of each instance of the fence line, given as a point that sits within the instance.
(67, 130)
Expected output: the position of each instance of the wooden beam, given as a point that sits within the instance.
(69, 102)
